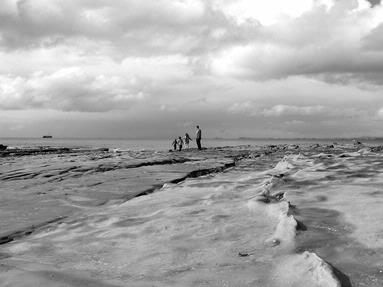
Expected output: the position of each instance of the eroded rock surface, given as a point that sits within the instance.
(280, 216)
(39, 185)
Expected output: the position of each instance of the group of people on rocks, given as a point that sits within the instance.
(178, 143)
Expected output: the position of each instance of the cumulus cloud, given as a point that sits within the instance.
(131, 26)
(379, 114)
(69, 89)
(245, 108)
(275, 60)
(285, 110)
(373, 41)
(265, 12)
(280, 110)
(246, 39)
(321, 40)
(98, 18)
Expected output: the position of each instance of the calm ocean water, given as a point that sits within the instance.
(145, 144)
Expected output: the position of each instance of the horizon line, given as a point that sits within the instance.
(209, 138)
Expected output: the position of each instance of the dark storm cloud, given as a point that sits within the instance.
(131, 26)
(374, 2)
(374, 40)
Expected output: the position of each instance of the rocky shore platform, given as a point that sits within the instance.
(276, 215)
(41, 186)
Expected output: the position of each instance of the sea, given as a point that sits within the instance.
(165, 144)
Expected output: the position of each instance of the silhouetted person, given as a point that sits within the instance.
(180, 142)
(187, 139)
(174, 144)
(198, 137)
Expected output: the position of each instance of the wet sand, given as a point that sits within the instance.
(306, 215)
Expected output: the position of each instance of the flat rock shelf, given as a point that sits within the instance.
(41, 185)
(277, 215)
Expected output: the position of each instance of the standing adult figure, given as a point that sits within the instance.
(198, 137)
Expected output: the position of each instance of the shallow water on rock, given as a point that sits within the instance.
(291, 218)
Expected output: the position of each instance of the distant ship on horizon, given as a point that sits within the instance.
(47, 137)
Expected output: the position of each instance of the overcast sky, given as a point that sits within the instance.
(155, 68)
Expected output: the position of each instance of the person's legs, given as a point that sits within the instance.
(198, 143)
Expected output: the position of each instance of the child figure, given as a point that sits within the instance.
(174, 144)
(187, 139)
(180, 142)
